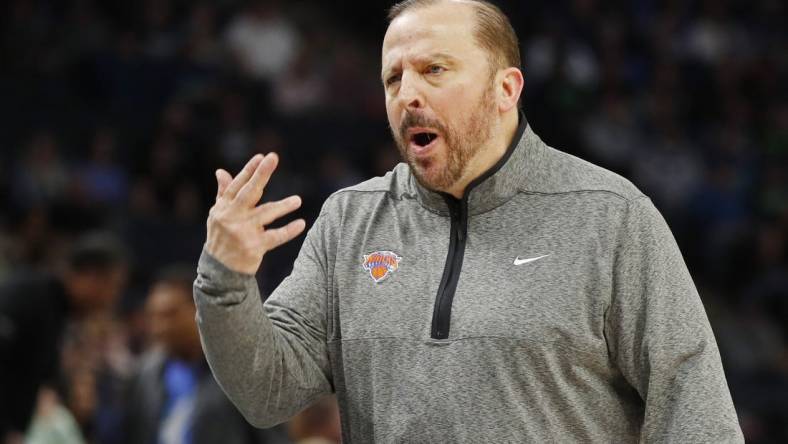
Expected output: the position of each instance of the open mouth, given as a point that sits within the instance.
(424, 138)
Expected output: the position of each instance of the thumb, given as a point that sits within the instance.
(223, 179)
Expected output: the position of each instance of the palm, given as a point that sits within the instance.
(237, 233)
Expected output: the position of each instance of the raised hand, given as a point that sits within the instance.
(237, 236)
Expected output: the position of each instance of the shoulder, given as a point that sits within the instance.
(558, 172)
(394, 185)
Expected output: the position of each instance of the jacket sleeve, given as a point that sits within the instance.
(271, 360)
(660, 338)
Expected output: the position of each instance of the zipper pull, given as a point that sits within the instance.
(454, 210)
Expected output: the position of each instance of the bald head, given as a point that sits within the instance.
(492, 31)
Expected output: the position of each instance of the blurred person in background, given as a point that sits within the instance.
(172, 397)
(41, 176)
(263, 40)
(96, 364)
(35, 308)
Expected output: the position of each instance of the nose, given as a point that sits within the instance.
(410, 94)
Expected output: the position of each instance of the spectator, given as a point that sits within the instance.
(263, 41)
(102, 179)
(173, 397)
(42, 176)
(34, 309)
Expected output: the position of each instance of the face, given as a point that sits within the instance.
(440, 96)
(170, 314)
(94, 291)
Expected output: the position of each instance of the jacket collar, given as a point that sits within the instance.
(496, 185)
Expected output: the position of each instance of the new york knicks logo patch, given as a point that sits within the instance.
(381, 264)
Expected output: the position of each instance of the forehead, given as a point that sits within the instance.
(442, 28)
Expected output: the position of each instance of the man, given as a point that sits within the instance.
(173, 398)
(34, 310)
(492, 289)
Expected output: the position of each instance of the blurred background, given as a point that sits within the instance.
(114, 115)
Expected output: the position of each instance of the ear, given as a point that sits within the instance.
(511, 86)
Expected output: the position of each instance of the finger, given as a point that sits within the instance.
(242, 177)
(278, 236)
(223, 179)
(252, 191)
(271, 211)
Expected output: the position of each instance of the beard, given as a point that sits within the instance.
(462, 143)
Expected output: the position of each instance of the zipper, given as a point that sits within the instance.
(458, 212)
(441, 315)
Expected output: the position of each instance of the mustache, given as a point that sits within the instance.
(417, 120)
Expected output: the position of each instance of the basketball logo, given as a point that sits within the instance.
(380, 264)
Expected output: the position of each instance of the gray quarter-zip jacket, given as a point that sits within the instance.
(550, 304)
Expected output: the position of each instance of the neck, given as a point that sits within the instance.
(488, 155)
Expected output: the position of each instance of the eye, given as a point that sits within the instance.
(392, 79)
(435, 69)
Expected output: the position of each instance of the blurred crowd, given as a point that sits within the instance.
(114, 116)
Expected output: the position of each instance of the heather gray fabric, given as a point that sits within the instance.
(603, 340)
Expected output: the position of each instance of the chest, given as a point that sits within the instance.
(539, 274)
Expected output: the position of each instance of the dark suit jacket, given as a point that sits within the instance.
(215, 420)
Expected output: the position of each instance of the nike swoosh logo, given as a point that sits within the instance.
(518, 261)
